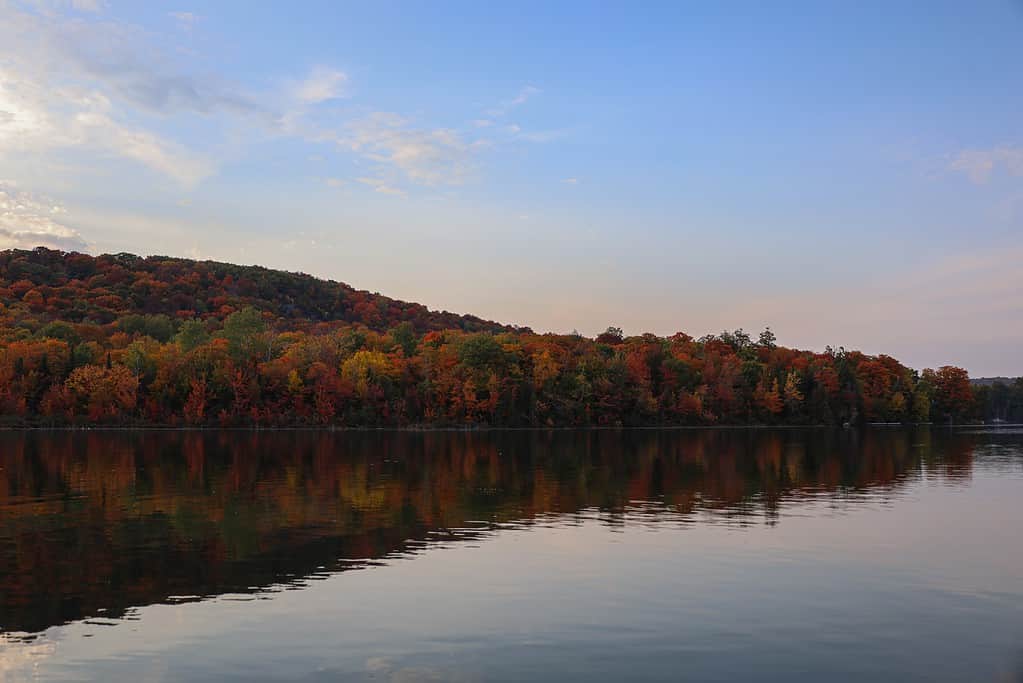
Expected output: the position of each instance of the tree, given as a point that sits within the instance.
(793, 394)
(739, 340)
(195, 405)
(365, 369)
(404, 336)
(612, 335)
(191, 335)
(243, 331)
(952, 398)
(60, 330)
(769, 399)
(104, 394)
(480, 351)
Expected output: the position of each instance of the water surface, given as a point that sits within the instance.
(505, 556)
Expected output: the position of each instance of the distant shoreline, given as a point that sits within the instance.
(480, 429)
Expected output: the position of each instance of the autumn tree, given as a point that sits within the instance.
(952, 398)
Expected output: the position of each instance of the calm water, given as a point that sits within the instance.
(646, 555)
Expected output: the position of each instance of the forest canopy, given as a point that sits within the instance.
(125, 340)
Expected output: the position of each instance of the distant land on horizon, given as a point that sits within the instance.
(121, 339)
(991, 381)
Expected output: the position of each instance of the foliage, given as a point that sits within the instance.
(125, 340)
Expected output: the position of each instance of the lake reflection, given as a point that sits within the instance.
(653, 555)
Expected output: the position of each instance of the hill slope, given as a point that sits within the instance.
(78, 288)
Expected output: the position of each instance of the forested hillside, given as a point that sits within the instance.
(78, 288)
(126, 340)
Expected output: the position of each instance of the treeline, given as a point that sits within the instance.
(1000, 400)
(89, 340)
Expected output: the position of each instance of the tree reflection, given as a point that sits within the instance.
(99, 522)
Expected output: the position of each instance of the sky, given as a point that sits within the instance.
(847, 173)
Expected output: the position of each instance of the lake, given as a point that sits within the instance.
(646, 555)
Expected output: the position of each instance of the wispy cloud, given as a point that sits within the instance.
(541, 135)
(88, 86)
(185, 20)
(89, 5)
(980, 164)
(37, 117)
(28, 221)
(380, 185)
(75, 86)
(55, 6)
(428, 156)
(498, 119)
(321, 85)
(523, 96)
(121, 62)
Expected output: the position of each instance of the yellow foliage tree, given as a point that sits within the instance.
(364, 369)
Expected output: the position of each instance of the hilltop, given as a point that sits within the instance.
(54, 285)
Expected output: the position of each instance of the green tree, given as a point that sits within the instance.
(59, 330)
(404, 336)
(192, 334)
(244, 331)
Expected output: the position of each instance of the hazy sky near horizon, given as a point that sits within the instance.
(847, 173)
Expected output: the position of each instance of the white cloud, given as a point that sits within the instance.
(54, 6)
(571, 181)
(163, 156)
(28, 221)
(77, 91)
(185, 19)
(38, 117)
(71, 85)
(523, 96)
(128, 65)
(497, 117)
(541, 135)
(436, 156)
(380, 185)
(334, 182)
(980, 164)
(321, 85)
(89, 5)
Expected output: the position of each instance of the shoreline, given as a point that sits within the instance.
(475, 429)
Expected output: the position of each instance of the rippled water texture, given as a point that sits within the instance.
(567, 556)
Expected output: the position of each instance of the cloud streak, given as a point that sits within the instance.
(321, 85)
(28, 221)
(980, 164)
(76, 84)
(523, 96)
(439, 156)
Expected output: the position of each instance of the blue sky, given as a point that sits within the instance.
(848, 173)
